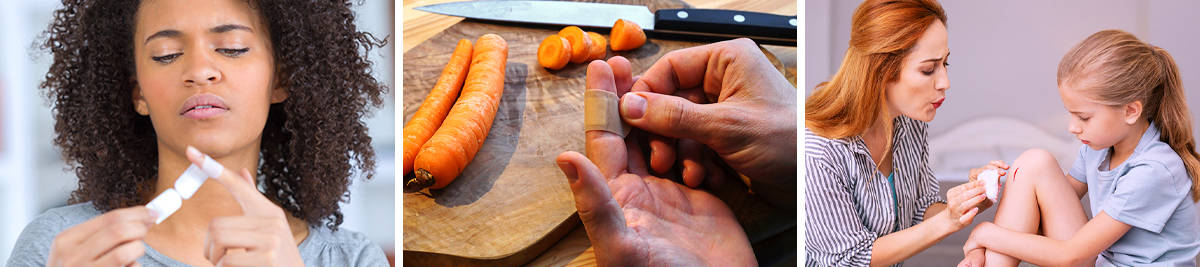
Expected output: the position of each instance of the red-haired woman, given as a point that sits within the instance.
(871, 197)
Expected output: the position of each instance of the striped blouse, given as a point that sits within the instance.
(849, 204)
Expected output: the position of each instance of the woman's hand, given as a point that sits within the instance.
(998, 165)
(1001, 169)
(111, 239)
(260, 237)
(963, 203)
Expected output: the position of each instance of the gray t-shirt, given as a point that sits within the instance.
(1150, 192)
(322, 247)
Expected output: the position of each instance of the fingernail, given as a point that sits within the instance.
(633, 106)
(193, 152)
(569, 170)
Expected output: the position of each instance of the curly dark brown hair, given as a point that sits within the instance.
(308, 154)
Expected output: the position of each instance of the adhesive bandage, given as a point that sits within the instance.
(165, 204)
(190, 181)
(601, 111)
(991, 183)
(211, 167)
(168, 202)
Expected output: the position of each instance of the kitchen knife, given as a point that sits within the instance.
(706, 24)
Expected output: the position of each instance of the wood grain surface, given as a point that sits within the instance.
(512, 204)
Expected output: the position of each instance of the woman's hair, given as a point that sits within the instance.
(881, 34)
(311, 142)
(1116, 68)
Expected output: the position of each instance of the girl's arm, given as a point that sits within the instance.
(1080, 187)
(1095, 236)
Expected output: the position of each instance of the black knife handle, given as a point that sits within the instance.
(761, 27)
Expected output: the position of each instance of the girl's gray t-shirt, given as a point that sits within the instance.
(1150, 191)
(322, 247)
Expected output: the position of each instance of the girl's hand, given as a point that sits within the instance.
(973, 240)
(997, 165)
(111, 239)
(260, 237)
(963, 203)
(974, 258)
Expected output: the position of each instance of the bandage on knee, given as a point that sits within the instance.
(601, 111)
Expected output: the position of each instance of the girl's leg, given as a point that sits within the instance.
(1037, 194)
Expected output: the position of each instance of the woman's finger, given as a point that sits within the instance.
(77, 234)
(264, 224)
(250, 240)
(974, 174)
(968, 204)
(238, 257)
(967, 217)
(242, 187)
(123, 254)
(112, 236)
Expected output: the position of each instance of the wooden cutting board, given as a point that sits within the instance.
(511, 202)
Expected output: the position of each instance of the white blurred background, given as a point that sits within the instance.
(1004, 57)
(34, 177)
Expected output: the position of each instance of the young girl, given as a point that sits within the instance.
(273, 90)
(1138, 165)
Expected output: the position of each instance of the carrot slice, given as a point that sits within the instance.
(554, 52)
(599, 46)
(454, 145)
(580, 42)
(437, 104)
(626, 35)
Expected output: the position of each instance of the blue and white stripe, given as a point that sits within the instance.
(848, 205)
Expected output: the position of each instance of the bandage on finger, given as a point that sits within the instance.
(189, 182)
(601, 111)
(211, 167)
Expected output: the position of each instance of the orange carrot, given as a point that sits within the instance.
(599, 46)
(454, 145)
(437, 104)
(554, 52)
(626, 35)
(580, 43)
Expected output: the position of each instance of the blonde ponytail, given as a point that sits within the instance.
(1173, 120)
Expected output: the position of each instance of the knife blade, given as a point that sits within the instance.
(706, 24)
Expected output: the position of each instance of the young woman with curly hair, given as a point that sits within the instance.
(274, 90)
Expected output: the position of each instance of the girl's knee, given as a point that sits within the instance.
(1035, 163)
(1036, 159)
